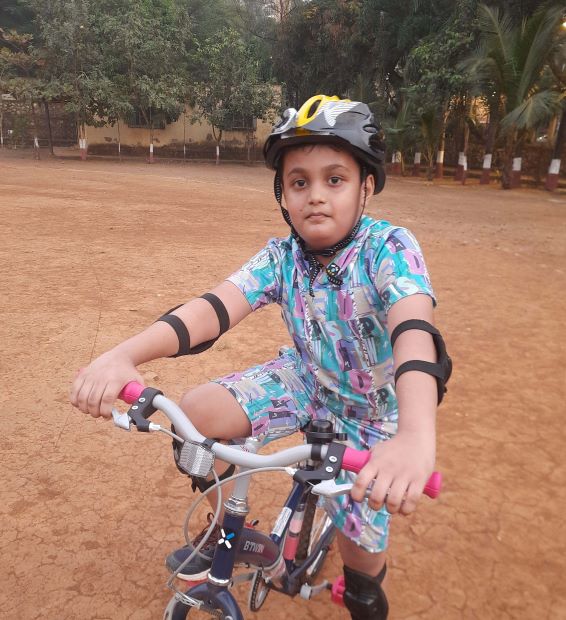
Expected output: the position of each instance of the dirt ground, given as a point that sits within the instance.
(93, 251)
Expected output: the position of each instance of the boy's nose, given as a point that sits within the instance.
(317, 194)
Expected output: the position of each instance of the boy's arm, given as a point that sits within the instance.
(402, 465)
(96, 388)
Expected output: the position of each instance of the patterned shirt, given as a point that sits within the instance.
(343, 350)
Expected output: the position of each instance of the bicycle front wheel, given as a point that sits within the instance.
(178, 610)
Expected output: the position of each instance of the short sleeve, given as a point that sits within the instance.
(260, 278)
(399, 269)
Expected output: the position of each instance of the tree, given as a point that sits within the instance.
(145, 61)
(232, 92)
(434, 82)
(19, 63)
(510, 66)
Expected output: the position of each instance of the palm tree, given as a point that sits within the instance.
(510, 66)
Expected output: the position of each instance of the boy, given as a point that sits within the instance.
(358, 303)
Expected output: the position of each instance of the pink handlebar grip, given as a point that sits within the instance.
(355, 460)
(131, 392)
(337, 592)
(433, 486)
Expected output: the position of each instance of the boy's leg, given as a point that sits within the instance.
(364, 573)
(357, 559)
(267, 401)
(216, 414)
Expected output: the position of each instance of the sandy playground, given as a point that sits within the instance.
(93, 251)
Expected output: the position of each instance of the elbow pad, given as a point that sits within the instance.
(183, 333)
(441, 370)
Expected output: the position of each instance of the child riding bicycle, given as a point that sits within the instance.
(357, 301)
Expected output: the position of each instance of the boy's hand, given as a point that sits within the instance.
(96, 387)
(400, 469)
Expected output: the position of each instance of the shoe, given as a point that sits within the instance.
(197, 569)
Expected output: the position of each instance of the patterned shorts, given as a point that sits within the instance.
(276, 400)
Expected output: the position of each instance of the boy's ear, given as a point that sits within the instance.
(370, 184)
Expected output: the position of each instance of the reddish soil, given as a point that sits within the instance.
(93, 251)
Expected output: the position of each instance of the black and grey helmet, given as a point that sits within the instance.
(324, 119)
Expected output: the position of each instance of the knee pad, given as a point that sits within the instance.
(363, 596)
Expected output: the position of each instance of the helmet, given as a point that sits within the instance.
(323, 119)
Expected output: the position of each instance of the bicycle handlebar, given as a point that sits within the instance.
(353, 460)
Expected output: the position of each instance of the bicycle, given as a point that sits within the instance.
(287, 560)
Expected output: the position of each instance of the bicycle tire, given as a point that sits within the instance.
(177, 610)
(316, 525)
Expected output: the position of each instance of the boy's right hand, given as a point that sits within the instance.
(96, 387)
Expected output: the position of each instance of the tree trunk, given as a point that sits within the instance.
(185, 134)
(1, 124)
(554, 168)
(441, 146)
(218, 138)
(464, 131)
(49, 130)
(35, 138)
(417, 164)
(119, 141)
(507, 171)
(489, 144)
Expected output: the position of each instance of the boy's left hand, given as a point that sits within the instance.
(399, 468)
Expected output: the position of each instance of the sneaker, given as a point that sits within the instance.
(197, 569)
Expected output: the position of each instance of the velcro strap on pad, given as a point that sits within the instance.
(223, 321)
(441, 369)
(220, 309)
(413, 324)
(182, 333)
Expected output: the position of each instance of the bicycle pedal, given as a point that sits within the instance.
(337, 592)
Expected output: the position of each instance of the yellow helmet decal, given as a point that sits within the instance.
(305, 115)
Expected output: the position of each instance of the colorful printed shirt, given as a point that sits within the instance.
(343, 349)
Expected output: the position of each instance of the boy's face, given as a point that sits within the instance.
(323, 193)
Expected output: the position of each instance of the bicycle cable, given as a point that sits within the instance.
(193, 507)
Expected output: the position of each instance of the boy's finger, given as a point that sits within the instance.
(363, 479)
(93, 401)
(379, 491)
(109, 397)
(412, 497)
(395, 496)
(75, 390)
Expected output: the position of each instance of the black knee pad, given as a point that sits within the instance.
(363, 596)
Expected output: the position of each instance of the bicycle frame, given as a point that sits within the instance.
(244, 545)
(239, 543)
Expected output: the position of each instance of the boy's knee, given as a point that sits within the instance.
(363, 595)
(192, 406)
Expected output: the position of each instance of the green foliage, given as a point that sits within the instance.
(432, 68)
(145, 59)
(232, 87)
(19, 66)
(511, 62)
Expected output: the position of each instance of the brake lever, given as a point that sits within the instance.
(329, 488)
(121, 420)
